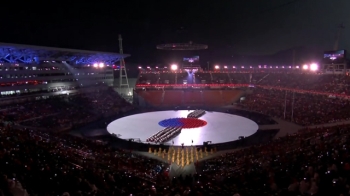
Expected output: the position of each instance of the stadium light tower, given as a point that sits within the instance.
(123, 77)
(341, 28)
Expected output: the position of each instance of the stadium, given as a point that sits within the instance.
(68, 125)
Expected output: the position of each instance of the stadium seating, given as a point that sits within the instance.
(230, 96)
(213, 97)
(203, 78)
(313, 161)
(182, 77)
(148, 78)
(166, 78)
(307, 109)
(173, 98)
(152, 97)
(193, 97)
(221, 78)
(61, 113)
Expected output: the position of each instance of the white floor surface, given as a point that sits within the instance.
(221, 127)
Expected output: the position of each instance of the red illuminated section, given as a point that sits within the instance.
(190, 85)
(190, 123)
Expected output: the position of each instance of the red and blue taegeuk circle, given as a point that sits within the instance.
(185, 123)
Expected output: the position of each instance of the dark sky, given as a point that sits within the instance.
(249, 27)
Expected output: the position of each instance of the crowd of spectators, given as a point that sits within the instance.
(42, 163)
(310, 162)
(65, 112)
(301, 108)
(328, 83)
(308, 81)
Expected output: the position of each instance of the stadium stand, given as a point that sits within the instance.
(212, 97)
(152, 97)
(36, 158)
(311, 161)
(193, 97)
(173, 98)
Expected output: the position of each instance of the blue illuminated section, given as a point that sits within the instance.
(23, 54)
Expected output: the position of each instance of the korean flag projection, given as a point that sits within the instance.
(184, 123)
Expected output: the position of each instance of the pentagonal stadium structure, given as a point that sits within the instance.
(37, 71)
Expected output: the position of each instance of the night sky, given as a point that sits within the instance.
(229, 27)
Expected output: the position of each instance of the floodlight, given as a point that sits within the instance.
(225, 67)
(217, 67)
(313, 67)
(305, 67)
(95, 65)
(101, 65)
(174, 67)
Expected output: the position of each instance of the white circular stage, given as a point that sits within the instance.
(220, 127)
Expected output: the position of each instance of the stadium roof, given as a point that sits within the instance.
(16, 53)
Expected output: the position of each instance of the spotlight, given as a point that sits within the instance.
(217, 67)
(95, 65)
(173, 67)
(305, 67)
(101, 65)
(313, 67)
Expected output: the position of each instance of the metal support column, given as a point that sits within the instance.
(123, 77)
(285, 105)
(293, 107)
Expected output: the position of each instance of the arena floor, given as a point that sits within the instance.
(217, 127)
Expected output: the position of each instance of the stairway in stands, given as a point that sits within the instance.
(175, 78)
(229, 77)
(162, 99)
(211, 78)
(262, 78)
